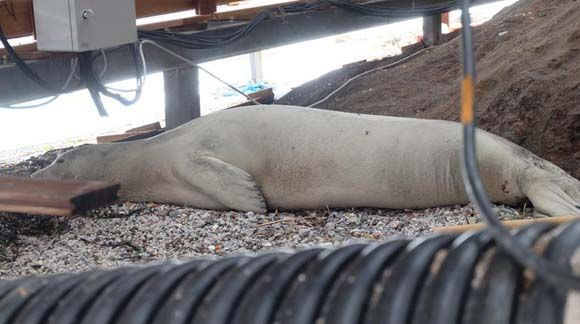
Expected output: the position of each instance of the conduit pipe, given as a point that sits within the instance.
(440, 279)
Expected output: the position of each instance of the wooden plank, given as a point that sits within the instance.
(148, 8)
(126, 137)
(53, 197)
(140, 136)
(140, 132)
(16, 17)
(145, 128)
(265, 97)
(30, 52)
(509, 224)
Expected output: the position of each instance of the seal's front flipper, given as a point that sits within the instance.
(226, 184)
(549, 199)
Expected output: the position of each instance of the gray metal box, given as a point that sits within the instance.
(82, 25)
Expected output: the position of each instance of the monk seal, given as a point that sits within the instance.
(285, 157)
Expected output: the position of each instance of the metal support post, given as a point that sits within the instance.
(182, 100)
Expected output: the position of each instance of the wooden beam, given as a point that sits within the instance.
(17, 18)
(509, 224)
(53, 197)
(148, 8)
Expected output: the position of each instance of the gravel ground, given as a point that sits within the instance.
(140, 233)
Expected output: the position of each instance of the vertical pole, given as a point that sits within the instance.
(257, 67)
(205, 7)
(182, 101)
(432, 29)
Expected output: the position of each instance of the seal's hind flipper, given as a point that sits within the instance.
(549, 199)
(226, 184)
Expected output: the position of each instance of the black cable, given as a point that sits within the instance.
(87, 75)
(139, 72)
(196, 41)
(193, 41)
(96, 87)
(551, 273)
(23, 66)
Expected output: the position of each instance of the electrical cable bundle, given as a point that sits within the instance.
(393, 12)
(96, 87)
(87, 76)
(194, 41)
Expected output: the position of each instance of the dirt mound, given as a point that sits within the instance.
(528, 81)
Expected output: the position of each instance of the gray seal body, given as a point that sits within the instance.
(284, 157)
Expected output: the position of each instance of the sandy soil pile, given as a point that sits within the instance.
(528, 81)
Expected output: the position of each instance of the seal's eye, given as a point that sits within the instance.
(60, 161)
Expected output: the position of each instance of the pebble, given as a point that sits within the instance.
(395, 224)
(330, 226)
(303, 232)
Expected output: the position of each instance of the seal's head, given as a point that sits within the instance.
(83, 163)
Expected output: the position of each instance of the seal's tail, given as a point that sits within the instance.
(555, 197)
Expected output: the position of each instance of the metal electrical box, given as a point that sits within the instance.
(83, 25)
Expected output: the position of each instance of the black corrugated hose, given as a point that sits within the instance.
(441, 279)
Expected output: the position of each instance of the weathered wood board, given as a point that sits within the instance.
(265, 97)
(53, 197)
